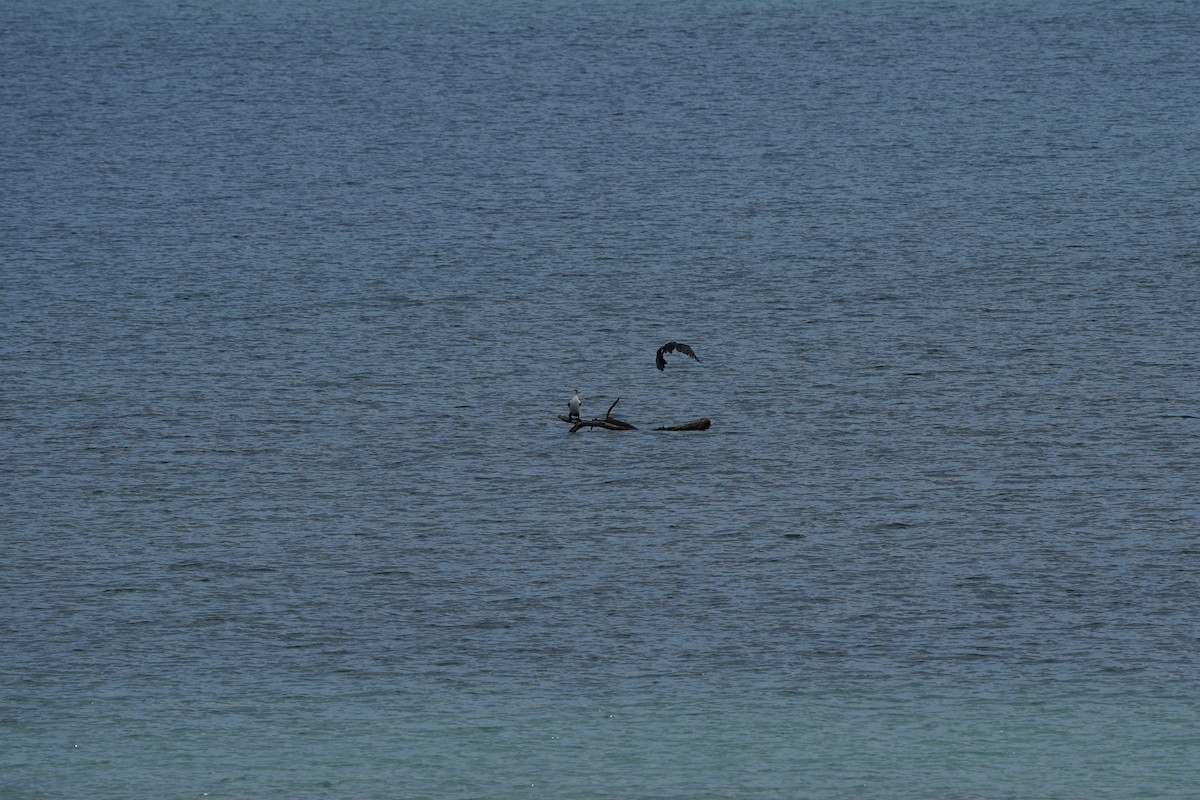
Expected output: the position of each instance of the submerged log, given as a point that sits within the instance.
(610, 423)
(613, 424)
(702, 424)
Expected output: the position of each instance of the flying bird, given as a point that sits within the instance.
(671, 347)
(573, 405)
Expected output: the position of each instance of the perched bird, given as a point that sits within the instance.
(573, 405)
(671, 347)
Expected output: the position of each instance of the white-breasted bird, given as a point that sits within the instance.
(573, 405)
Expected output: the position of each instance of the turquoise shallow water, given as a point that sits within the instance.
(291, 298)
(779, 746)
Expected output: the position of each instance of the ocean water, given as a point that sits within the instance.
(292, 293)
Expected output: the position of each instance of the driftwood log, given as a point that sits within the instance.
(702, 424)
(611, 423)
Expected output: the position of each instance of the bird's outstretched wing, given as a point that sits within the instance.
(687, 351)
(671, 347)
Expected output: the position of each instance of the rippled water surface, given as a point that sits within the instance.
(291, 296)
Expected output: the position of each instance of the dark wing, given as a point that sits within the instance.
(671, 347)
(687, 351)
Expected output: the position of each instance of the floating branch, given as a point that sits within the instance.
(701, 424)
(609, 424)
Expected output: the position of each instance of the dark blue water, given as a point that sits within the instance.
(291, 296)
